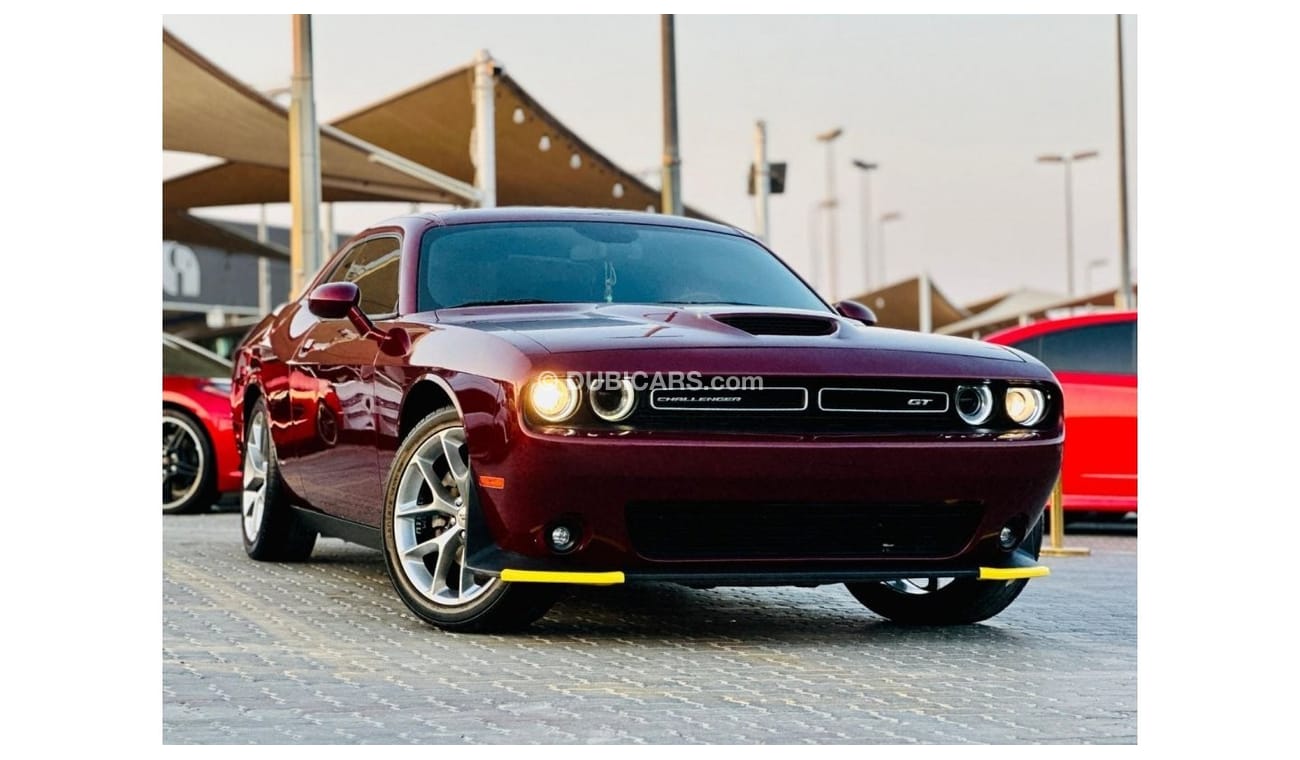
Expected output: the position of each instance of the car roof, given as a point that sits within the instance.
(563, 214)
(1014, 334)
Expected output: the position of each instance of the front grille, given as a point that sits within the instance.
(773, 324)
(694, 530)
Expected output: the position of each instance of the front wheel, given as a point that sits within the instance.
(944, 601)
(271, 530)
(426, 514)
(188, 474)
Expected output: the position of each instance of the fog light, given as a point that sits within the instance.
(1007, 538)
(562, 539)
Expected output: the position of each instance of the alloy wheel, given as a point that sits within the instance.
(182, 460)
(257, 453)
(430, 519)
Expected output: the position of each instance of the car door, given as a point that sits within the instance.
(331, 379)
(1097, 367)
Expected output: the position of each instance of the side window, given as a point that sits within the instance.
(373, 266)
(1109, 348)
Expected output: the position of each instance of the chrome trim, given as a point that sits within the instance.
(825, 408)
(802, 408)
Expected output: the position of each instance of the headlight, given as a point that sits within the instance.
(554, 399)
(1025, 406)
(974, 403)
(613, 400)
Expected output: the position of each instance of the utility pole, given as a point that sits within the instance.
(672, 171)
(1125, 266)
(1067, 160)
(762, 180)
(304, 162)
(485, 129)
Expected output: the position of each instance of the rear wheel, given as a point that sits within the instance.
(944, 601)
(426, 513)
(271, 530)
(189, 480)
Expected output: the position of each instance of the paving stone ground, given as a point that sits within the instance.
(324, 652)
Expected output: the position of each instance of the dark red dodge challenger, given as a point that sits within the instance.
(504, 401)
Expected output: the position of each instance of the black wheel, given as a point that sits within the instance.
(271, 530)
(944, 601)
(189, 479)
(426, 505)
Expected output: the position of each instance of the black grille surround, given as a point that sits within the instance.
(779, 324)
(684, 531)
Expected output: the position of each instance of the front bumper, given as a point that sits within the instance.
(593, 481)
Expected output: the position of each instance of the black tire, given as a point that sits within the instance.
(191, 450)
(501, 606)
(278, 536)
(960, 602)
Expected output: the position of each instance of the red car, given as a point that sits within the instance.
(199, 459)
(1095, 359)
(506, 400)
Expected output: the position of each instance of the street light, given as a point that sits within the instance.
(1087, 273)
(890, 216)
(866, 167)
(1067, 160)
(829, 138)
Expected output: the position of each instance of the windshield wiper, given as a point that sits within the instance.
(718, 303)
(503, 302)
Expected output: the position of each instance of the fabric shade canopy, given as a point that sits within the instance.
(899, 306)
(539, 160)
(181, 225)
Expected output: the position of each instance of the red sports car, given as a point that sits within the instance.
(199, 459)
(505, 400)
(1095, 359)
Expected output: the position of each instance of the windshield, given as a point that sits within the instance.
(180, 359)
(600, 262)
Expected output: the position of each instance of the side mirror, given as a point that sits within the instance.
(334, 300)
(855, 310)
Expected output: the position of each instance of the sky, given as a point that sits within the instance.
(954, 109)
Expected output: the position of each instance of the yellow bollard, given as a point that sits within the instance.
(1056, 544)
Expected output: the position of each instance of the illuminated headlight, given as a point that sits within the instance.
(974, 404)
(613, 401)
(1025, 406)
(554, 399)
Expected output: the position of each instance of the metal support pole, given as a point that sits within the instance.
(327, 230)
(1069, 228)
(304, 162)
(672, 160)
(923, 303)
(832, 254)
(1125, 265)
(866, 230)
(485, 129)
(1056, 518)
(263, 266)
(762, 180)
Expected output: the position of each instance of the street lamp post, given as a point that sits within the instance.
(1087, 273)
(1067, 160)
(885, 218)
(866, 168)
(829, 138)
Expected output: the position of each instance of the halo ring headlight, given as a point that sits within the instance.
(974, 404)
(613, 404)
(1025, 406)
(553, 398)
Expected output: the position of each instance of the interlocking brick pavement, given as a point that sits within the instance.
(324, 652)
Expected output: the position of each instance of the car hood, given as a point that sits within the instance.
(570, 328)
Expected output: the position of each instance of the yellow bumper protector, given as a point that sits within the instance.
(1012, 573)
(547, 576)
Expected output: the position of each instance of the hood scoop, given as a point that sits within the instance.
(778, 324)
